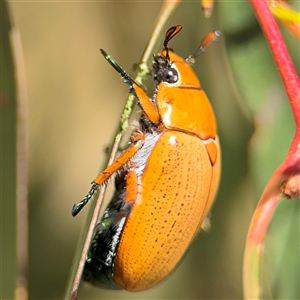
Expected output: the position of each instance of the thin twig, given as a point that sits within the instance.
(164, 16)
(21, 287)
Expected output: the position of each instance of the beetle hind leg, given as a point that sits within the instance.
(131, 187)
(123, 159)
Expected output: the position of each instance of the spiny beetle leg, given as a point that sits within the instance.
(118, 68)
(119, 162)
(110, 170)
(146, 104)
(78, 207)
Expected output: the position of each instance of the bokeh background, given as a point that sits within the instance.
(74, 102)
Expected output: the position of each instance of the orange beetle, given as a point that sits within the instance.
(166, 180)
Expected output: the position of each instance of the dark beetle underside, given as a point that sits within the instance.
(99, 264)
(98, 268)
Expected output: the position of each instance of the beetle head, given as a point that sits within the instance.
(163, 69)
(171, 69)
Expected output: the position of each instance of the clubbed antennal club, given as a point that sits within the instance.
(207, 40)
(169, 35)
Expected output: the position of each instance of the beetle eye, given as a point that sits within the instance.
(169, 75)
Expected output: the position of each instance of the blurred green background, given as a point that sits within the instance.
(74, 102)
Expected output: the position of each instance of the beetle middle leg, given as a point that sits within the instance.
(137, 143)
(131, 187)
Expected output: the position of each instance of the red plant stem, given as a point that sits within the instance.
(281, 56)
(261, 218)
(287, 175)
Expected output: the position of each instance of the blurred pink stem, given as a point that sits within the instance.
(285, 180)
(282, 59)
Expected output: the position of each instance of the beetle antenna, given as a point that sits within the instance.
(115, 65)
(207, 40)
(171, 32)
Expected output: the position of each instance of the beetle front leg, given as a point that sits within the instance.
(148, 107)
(137, 143)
